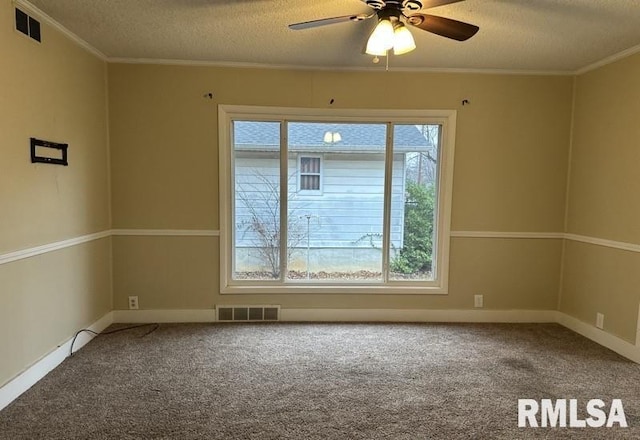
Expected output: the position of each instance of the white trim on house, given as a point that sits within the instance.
(608, 60)
(21, 254)
(619, 345)
(454, 234)
(29, 377)
(50, 247)
(497, 234)
(420, 315)
(164, 316)
(247, 65)
(10, 257)
(631, 247)
(601, 337)
(167, 232)
(621, 245)
(612, 342)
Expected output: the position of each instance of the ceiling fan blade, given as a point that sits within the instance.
(326, 21)
(445, 27)
(428, 4)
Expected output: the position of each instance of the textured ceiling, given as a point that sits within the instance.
(526, 35)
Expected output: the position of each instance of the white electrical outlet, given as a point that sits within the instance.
(133, 303)
(600, 320)
(478, 301)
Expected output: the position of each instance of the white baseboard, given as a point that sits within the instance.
(620, 346)
(25, 380)
(405, 315)
(33, 374)
(346, 315)
(147, 316)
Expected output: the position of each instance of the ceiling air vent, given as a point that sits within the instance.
(248, 313)
(28, 25)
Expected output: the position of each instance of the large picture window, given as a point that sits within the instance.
(364, 210)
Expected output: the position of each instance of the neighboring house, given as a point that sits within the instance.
(335, 190)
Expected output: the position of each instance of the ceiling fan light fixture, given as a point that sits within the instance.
(403, 41)
(381, 39)
(332, 137)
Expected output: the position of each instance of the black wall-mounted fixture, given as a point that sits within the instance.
(28, 25)
(54, 153)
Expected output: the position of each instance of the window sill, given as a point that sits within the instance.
(259, 288)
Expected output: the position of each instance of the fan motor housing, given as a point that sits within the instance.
(402, 5)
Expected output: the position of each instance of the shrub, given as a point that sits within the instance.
(415, 255)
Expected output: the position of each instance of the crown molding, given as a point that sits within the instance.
(609, 60)
(374, 69)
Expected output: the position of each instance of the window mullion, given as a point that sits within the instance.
(386, 220)
(284, 199)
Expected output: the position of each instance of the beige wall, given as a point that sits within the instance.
(54, 91)
(603, 198)
(510, 175)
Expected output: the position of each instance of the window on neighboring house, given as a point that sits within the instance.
(379, 216)
(310, 168)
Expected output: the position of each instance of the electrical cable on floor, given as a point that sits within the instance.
(156, 326)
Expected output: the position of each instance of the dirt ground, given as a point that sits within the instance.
(364, 275)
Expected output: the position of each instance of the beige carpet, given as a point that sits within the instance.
(323, 381)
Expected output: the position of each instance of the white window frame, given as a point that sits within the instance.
(446, 118)
(313, 192)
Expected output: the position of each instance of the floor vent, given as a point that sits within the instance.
(248, 313)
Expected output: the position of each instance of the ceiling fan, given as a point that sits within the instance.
(393, 15)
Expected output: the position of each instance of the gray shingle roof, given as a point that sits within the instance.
(309, 136)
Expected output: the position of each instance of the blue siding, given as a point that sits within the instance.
(346, 213)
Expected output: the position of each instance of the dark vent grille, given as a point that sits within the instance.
(22, 22)
(248, 313)
(34, 29)
(28, 25)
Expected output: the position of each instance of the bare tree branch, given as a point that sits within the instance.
(263, 224)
